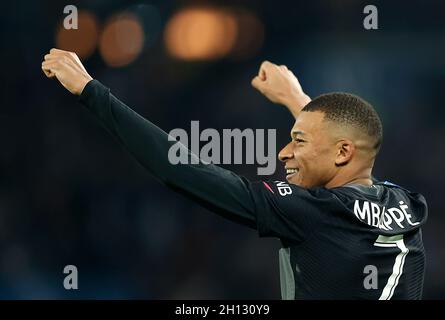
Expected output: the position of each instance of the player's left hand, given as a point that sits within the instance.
(280, 85)
(67, 68)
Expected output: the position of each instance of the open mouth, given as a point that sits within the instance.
(290, 172)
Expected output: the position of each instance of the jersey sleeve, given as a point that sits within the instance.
(274, 209)
(288, 211)
(222, 191)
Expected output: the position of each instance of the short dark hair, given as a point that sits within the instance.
(351, 110)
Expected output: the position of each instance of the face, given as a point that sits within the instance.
(310, 157)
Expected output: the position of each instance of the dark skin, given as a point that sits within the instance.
(327, 154)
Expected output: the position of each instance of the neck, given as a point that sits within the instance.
(363, 178)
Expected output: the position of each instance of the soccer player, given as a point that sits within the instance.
(343, 235)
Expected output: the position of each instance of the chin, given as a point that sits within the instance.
(294, 181)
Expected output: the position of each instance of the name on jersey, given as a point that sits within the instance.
(382, 217)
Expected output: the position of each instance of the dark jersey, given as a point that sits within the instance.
(349, 242)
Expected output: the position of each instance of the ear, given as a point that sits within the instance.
(345, 152)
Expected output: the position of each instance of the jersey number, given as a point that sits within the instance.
(397, 269)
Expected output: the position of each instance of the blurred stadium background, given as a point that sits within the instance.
(70, 195)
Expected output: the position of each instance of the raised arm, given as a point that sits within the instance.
(221, 190)
(281, 86)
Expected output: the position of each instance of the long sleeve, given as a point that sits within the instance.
(220, 190)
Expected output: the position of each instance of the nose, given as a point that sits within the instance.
(286, 153)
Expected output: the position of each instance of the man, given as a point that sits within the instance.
(343, 235)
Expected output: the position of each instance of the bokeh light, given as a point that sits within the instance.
(83, 40)
(122, 40)
(201, 33)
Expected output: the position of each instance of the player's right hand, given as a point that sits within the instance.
(280, 86)
(67, 68)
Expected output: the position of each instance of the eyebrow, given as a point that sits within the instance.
(295, 133)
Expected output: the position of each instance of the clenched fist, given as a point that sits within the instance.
(67, 68)
(280, 86)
